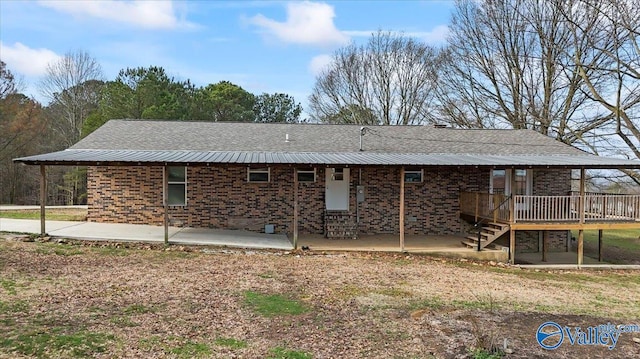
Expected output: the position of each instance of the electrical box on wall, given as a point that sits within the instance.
(360, 194)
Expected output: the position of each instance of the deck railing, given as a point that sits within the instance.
(481, 205)
(596, 207)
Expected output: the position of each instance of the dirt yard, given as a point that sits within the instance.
(103, 300)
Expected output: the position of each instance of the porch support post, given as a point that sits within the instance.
(582, 201)
(545, 238)
(402, 209)
(295, 208)
(512, 193)
(582, 216)
(600, 245)
(43, 198)
(580, 246)
(165, 203)
(477, 214)
(512, 246)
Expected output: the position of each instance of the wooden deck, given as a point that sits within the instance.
(579, 212)
(590, 211)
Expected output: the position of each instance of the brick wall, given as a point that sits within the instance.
(220, 197)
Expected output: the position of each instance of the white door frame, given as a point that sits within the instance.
(337, 189)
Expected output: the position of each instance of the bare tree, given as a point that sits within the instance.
(508, 66)
(391, 77)
(72, 85)
(610, 29)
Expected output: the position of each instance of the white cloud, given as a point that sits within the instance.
(145, 14)
(436, 36)
(319, 63)
(25, 60)
(307, 23)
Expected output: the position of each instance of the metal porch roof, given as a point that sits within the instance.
(90, 157)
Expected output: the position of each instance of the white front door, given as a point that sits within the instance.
(337, 189)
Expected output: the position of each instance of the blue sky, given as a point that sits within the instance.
(263, 46)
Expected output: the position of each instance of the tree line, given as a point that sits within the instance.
(80, 101)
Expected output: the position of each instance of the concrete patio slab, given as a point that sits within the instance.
(33, 226)
(147, 233)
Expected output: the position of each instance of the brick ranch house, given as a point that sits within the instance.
(345, 181)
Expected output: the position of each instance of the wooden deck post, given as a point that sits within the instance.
(582, 199)
(582, 218)
(402, 209)
(165, 203)
(295, 208)
(545, 238)
(580, 246)
(600, 245)
(43, 199)
(477, 207)
(512, 246)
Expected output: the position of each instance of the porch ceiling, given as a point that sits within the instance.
(92, 157)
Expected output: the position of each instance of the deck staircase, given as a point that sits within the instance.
(489, 232)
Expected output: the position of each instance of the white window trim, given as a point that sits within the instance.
(259, 170)
(169, 183)
(315, 178)
(421, 171)
(337, 170)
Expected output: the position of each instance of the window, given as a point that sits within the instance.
(177, 181)
(258, 175)
(338, 174)
(307, 175)
(498, 181)
(413, 176)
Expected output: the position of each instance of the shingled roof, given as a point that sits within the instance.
(173, 142)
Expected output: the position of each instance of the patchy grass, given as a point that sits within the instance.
(256, 304)
(8, 285)
(271, 305)
(283, 353)
(191, 349)
(59, 249)
(54, 214)
(55, 343)
(479, 353)
(176, 347)
(138, 309)
(11, 307)
(628, 239)
(231, 343)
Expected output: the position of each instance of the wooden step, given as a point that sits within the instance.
(475, 238)
(470, 244)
